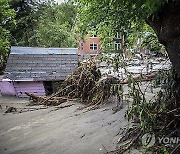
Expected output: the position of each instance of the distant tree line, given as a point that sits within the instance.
(41, 23)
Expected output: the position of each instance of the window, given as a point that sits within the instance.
(118, 35)
(93, 46)
(111, 46)
(82, 46)
(117, 46)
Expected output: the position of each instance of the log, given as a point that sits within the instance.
(46, 101)
(140, 78)
(34, 97)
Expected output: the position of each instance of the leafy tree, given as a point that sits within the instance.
(150, 41)
(27, 17)
(163, 16)
(6, 21)
(55, 27)
(145, 38)
(43, 23)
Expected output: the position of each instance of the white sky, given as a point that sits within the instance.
(59, 1)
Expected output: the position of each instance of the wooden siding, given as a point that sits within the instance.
(36, 88)
(7, 88)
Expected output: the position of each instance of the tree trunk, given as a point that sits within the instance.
(166, 24)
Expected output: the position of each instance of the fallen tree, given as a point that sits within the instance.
(86, 84)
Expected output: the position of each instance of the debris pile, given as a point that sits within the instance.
(81, 82)
(86, 84)
(43, 100)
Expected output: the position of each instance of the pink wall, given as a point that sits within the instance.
(36, 88)
(19, 88)
(7, 88)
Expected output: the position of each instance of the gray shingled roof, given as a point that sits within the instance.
(40, 64)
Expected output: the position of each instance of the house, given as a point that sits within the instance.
(92, 44)
(36, 70)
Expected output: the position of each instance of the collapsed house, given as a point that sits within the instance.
(36, 70)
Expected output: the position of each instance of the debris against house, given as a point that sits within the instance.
(84, 83)
(87, 84)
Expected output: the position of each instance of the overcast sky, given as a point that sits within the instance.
(59, 1)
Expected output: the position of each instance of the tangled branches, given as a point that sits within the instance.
(160, 116)
(81, 81)
(86, 84)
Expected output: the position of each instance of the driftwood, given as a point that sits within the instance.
(78, 84)
(62, 107)
(87, 95)
(11, 109)
(34, 97)
(30, 109)
(140, 78)
(53, 101)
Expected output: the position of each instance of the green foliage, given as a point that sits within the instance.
(43, 23)
(147, 38)
(27, 18)
(6, 21)
(116, 61)
(162, 79)
(160, 114)
(55, 35)
(150, 41)
(141, 108)
(111, 15)
(55, 27)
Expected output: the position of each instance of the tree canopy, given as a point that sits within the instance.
(129, 15)
(27, 15)
(55, 26)
(110, 15)
(6, 23)
(41, 23)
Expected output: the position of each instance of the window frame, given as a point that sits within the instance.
(117, 46)
(118, 35)
(93, 45)
(82, 46)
